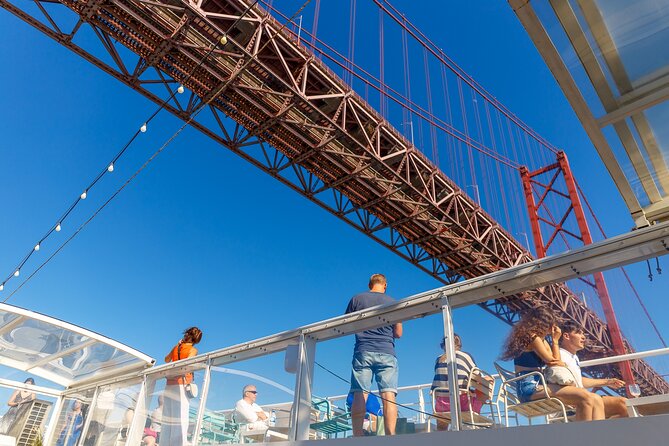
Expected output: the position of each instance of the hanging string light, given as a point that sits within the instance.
(109, 167)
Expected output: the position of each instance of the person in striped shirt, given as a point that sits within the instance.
(465, 364)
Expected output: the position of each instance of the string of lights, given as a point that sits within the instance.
(110, 167)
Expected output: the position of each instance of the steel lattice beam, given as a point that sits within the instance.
(297, 121)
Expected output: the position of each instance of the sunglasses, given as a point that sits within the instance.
(252, 391)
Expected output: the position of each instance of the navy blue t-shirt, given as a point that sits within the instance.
(378, 340)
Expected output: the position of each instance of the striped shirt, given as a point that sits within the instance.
(465, 364)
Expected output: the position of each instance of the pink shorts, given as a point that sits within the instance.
(443, 404)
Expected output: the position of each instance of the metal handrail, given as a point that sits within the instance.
(626, 357)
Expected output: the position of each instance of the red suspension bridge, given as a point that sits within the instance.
(267, 89)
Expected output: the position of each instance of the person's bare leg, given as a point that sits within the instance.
(598, 407)
(581, 399)
(389, 412)
(358, 413)
(615, 407)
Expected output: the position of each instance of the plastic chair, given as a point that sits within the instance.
(484, 385)
(546, 406)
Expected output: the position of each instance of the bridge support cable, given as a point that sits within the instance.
(292, 117)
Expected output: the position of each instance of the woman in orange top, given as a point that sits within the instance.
(174, 428)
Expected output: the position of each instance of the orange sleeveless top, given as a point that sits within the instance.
(181, 351)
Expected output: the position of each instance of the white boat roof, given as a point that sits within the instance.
(58, 351)
(612, 62)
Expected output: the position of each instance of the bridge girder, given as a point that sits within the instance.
(292, 117)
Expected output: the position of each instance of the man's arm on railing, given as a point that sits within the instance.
(614, 383)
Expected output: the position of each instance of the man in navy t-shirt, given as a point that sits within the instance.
(374, 355)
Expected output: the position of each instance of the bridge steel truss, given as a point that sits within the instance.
(292, 117)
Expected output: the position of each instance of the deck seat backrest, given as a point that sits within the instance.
(479, 381)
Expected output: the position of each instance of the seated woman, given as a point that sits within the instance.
(530, 351)
(465, 364)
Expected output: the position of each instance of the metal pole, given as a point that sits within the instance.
(299, 30)
(136, 428)
(89, 414)
(203, 404)
(635, 355)
(449, 349)
(301, 416)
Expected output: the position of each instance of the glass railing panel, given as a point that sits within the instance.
(170, 407)
(71, 418)
(112, 413)
(29, 419)
(250, 400)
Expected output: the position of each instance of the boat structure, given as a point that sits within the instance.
(251, 77)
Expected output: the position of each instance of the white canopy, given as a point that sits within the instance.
(611, 59)
(61, 352)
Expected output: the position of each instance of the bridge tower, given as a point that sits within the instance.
(538, 186)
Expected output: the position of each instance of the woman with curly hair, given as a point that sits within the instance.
(174, 426)
(530, 352)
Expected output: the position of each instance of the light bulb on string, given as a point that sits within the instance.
(223, 40)
(142, 128)
(37, 247)
(16, 273)
(58, 227)
(83, 195)
(110, 168)
(180, 90)
(2, 287)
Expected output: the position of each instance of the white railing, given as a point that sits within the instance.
(635, 246)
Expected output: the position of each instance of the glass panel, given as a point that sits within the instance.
(27, 421)
(112, 414)
(233, 415)
(658, 117)
(32, 340)
(26, 341)
(640, 31)
(170, 413)
(94, 359)
(71, 419)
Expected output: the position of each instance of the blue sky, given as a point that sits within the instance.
(204, 238)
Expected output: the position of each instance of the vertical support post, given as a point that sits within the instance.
(89, 415)
(301, 414)
(532, 211)
(449, 349)
(141, 411)
(53, 420)
(421, 406)
(203, 404)
(600, 283)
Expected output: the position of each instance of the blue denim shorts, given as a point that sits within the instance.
(382, 366)
(526, 387)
